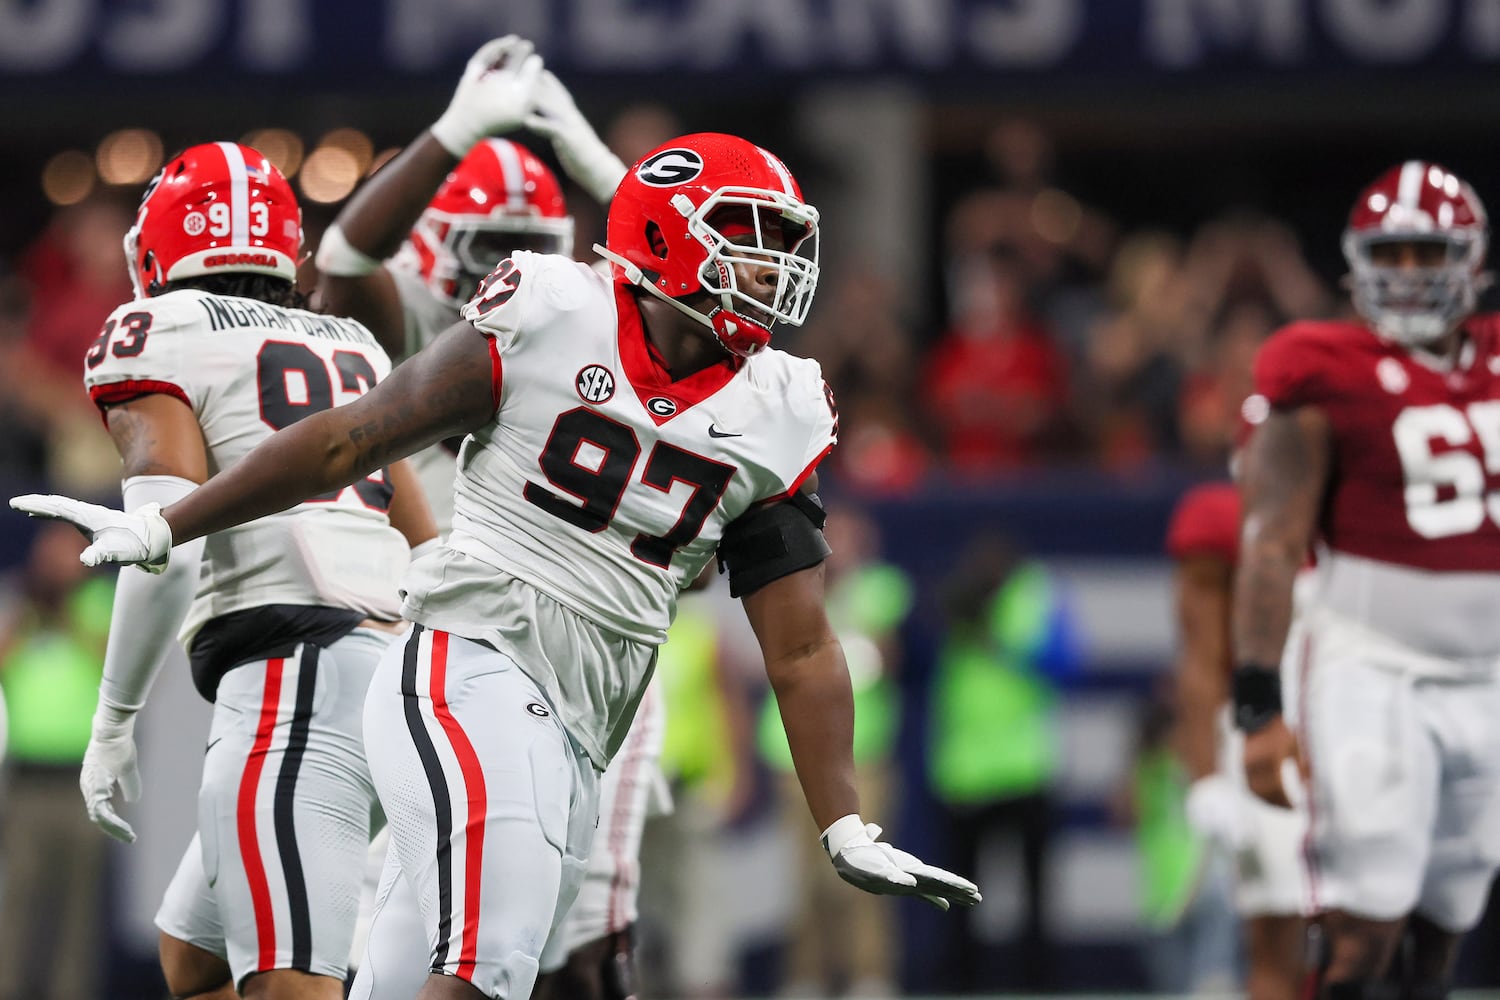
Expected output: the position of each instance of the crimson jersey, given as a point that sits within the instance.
(1206, 522)
(1416, 449)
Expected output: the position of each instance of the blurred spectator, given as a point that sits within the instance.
(992, 752)
(1192, 931)
(996, 385)
(865, 347)
(1209, 408)
(842, 942)
(1026, 211)
(77, 276)
(25, 400)
(1133, 374)
(51, 659)
(879, 450)
(74, 276)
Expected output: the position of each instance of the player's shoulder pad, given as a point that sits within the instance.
(799, 384)
(1304, 363)
(528, 291)
(144, 334)
(144, 347)
(1206, 521)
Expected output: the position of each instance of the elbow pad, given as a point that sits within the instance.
(776, 540)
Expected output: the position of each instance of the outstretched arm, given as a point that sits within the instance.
(493, 97)
(805, 665)
(447, 389)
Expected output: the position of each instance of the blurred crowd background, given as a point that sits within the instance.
(1054, 234)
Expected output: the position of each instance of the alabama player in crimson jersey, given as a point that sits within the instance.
(406, 276)
(1383, 446)
(620, 434)
(1203, 541)
(287, 617)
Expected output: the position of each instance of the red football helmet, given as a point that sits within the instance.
(674, 221)
(216, 208)
(499, 199)
(1417, 203)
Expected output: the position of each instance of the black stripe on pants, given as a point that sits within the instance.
(442, 803)
(283, 811)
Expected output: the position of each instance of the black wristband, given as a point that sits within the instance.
(1257, 696)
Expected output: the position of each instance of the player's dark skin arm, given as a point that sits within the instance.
(409, 512)
(158, 435)
(1203, 584)
(1286, 473)
(443, 391)
(375, 221)
(805, 665)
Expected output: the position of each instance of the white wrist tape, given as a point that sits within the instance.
(342, 259)
(842, 832)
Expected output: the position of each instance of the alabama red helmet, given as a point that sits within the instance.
(216, 208)
(499, 199)
(1417, 202)
(675, 219)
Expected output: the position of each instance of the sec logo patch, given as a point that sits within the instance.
(595, 384)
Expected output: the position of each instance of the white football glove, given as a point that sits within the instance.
(1215, 809)
(141, 538)
(108, 763)
(493, 97)
(863, 861)
(580, 150)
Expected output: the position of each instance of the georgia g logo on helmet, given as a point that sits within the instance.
(670, 167)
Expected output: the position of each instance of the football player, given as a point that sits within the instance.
(406, 276)
(1265, 841)
(619, 433)
(287, 616)
(1383, 446)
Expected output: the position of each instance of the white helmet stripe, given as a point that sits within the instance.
(239, 195)
(781, 171)
(1409, 188)
(510, 169)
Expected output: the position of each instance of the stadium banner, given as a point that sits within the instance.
(228, 42)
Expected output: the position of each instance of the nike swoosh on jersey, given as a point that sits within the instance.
(714, 432)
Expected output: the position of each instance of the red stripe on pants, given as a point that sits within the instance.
(468, 763)
(255, 869)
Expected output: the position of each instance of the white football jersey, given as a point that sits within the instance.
(602, 483)
(247, 369)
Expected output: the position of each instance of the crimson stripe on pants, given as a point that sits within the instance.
(468, 763)
(255, 869)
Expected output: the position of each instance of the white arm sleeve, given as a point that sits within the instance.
(148, 609)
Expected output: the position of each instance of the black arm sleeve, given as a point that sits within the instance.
(767, 543)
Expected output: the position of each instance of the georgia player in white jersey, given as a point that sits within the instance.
(620, 434)
(289, 615)
(1383, 446)
(486, 199)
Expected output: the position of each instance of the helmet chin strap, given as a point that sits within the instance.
(713, 322)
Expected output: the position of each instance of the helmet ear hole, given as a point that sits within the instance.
(656, 241)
